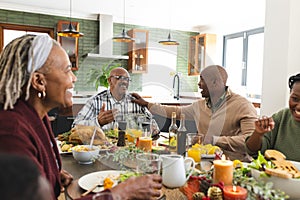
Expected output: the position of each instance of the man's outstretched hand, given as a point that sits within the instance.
(139, 100)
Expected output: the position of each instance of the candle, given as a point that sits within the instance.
(234, 193)
(223, 171)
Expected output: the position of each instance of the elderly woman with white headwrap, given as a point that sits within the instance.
(35, 77)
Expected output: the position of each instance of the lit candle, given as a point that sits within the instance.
(234, 193)
(223, 171)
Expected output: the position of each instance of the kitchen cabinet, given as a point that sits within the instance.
(202, 52)
(70, 44)
(138, 51)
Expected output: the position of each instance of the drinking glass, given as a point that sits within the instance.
(118, 116)
(106, 196)
(148, 163)
(145, 141)
(194, 138)
(194, 146)
(133, 131)
(206, 164)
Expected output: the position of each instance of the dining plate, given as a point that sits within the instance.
(89, 180)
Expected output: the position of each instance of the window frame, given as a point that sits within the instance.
(245, 35)
(19, 27)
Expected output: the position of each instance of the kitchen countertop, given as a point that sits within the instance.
(185, 98)
(162, 100)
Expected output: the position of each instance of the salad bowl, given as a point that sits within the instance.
(288, 185)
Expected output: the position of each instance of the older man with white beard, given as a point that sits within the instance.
(113, 104)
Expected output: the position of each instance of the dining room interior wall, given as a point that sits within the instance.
(281, 53)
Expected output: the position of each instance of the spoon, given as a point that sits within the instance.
(92, 139)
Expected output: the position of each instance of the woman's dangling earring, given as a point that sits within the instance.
(42, 95)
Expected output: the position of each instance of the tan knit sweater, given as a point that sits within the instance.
(229, 125)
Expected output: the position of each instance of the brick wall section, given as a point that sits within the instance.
(89, 44)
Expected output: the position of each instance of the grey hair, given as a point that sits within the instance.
(14, 77)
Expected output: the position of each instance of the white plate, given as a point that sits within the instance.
(89, 180)
(289, 186)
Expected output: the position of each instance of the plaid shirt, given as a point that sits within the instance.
(92, 108)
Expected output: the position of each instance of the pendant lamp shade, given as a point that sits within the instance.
(169, 41)
(123, 37)
(70, 31)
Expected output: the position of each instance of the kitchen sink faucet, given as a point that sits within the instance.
(176, 90)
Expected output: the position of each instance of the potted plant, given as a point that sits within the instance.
(100, 77)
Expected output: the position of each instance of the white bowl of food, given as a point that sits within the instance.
(288, 185)
(84, 154)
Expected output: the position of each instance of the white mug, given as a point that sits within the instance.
(174, 170)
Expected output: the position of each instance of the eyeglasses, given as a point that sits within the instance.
(123, 78)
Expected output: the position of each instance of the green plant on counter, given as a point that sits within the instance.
(100, 77)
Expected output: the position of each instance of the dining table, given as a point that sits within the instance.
(74, 191)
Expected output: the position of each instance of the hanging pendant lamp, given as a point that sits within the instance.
(70, 31)
(169, 41)
(123, 37)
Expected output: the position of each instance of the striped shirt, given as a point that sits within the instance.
(92, 108)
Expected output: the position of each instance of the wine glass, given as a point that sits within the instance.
(148, 163)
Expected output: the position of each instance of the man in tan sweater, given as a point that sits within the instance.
(225, 118)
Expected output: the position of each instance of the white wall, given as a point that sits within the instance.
(281, 52)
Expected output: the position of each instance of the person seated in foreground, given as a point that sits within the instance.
(281, 131)
(224, 117)
(20, 179)
(113, 104)
(35, 77)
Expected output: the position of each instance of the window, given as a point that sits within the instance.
(9, 32)
(243, 59)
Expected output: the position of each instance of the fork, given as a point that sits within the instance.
(91, 189)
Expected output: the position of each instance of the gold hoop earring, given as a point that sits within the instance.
(41, 95)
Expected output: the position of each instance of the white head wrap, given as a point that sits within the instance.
(39, 52)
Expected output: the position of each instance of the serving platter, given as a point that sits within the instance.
(58, 143)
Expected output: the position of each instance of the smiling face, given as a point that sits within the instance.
(212, 81)
(118, 84)
(203, 85)
(59, 78)
(294, 101)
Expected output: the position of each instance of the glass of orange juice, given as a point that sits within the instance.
(133, 134)
(195, 153)
(145, 142)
